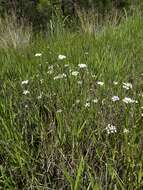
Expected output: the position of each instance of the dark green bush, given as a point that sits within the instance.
(36, 12)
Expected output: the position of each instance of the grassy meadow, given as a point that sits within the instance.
(71, 106)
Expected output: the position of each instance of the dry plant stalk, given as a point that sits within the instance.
(13, 34)
(91, 21)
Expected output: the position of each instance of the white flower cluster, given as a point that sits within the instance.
(82, 65)
(25, 92)
(60, 76)
(61, 57)
(74, 73)
(128, 100)
(24, 82)
(127, 86)
(111, 129)
(115, 98)
(38, 54)
(100, 83)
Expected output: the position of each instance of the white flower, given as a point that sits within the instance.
(82, 65)
(25, 92)
(111, 129)
(115, 82)
(38, 54)
(60, 76)
(66, 65)
(50, 72)
(51, 67)
(74, 73)
(95, 100)
(128, 100)
(127, 86)
(41, 80)
(125, 130)
(100, 83)
(141, 95)
(24, 82)
(79, 82)
(115, 98)
(87, 105)
(77, 101)
(39, 97)
(59, 111)
(26, 106)
(61, 57)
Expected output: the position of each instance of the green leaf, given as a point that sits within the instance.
(79, 173)
(68, 177)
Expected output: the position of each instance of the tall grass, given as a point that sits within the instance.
(61, 126)
(13, 33)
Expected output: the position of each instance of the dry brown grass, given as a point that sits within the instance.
(91, 21)
(13, 34)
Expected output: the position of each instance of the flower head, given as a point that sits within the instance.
(41, 81)
(100, 83)
(82, 65)
(40, 96)
(87, 104)
(60, 76)
(61, 57)
(128, 100)
(95, 100)
(79, 82)
(50, 72)
(111, 129)
(59, 111)
(25, 92)
(127, 86)
(115, 98)
(77, 101)
(38, 54)
(50, 69)
(115, 82)
(24, 82)
(26, 106)
(74, 73)
(141, 95)
(125, 131)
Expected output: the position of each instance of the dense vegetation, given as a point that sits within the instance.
(71, 103)
(39, 12)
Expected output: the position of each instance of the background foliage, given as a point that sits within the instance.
(39, 12)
